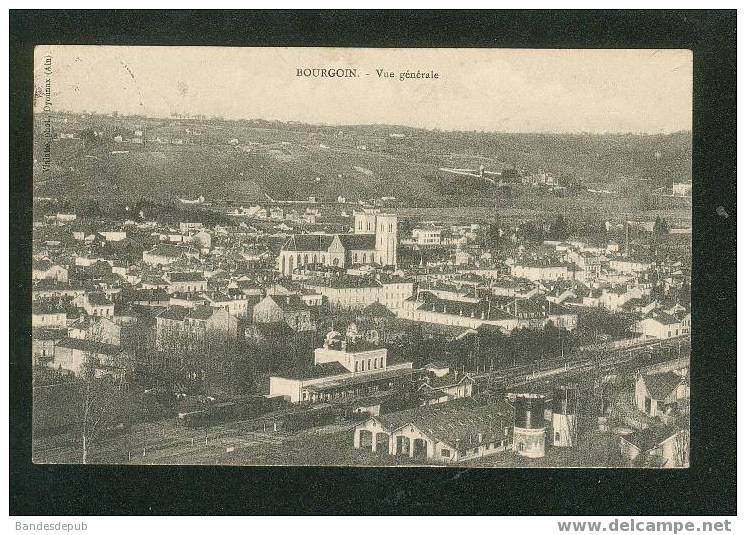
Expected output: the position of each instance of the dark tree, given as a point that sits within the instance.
(559, 230)
(492, 237)
(660, 228)
(88, 137)
(530, 232)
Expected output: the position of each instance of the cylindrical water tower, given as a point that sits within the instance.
(565, 417)
(529, 431)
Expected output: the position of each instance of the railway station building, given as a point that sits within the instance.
(346, 367)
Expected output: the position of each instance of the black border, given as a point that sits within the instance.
(708, 488)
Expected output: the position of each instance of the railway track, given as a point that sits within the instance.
(640, 354)
(166, 440)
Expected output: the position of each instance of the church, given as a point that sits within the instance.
(373, 241)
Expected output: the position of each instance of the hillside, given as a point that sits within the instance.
(243, 160)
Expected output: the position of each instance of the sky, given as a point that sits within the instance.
(503, 90)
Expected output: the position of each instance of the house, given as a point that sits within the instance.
(170, 325)
(640, 305)
(95, 304)
(188, 300)
(52, 289)
(520, 288)
(202, 240)
(471, 313)
(189, 282)
(288, 308)
(380, 325)
(75, 355)
(179, 324)
(185, 227)
(447, 433)
(348, 292)
(113, 235)
(176, 238)
(99, 329)
(441, 384)
(43, 342)
(660, 446)
(682, 189)
(311, 297)
(661, 325)
(587, 262)
(246, 287)
(82, 235)
(165, 254)
(295, 385)
(48, 315)
(624, 264)
(205, 320)
(46, 270)
(146, 297)
(153, 282)
(65, 218)
(655, 392)
(268, 333)
(462, 258)
(130, 314)
(560, 295)
(353, 352)
(236, 303)
(92, 260)
(545, 270)
(429, 235)
(614, 298)
(612, 247)
(685, 320)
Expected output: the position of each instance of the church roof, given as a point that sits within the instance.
(358, 241)
(308, 242)
(321, 242)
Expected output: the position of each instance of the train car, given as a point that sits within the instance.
(212, 414)
(255, 406)
(311, 417)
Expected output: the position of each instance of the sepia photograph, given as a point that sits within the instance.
(362, 257)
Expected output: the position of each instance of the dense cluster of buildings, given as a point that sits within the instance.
(107, 292)
(216, 280)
